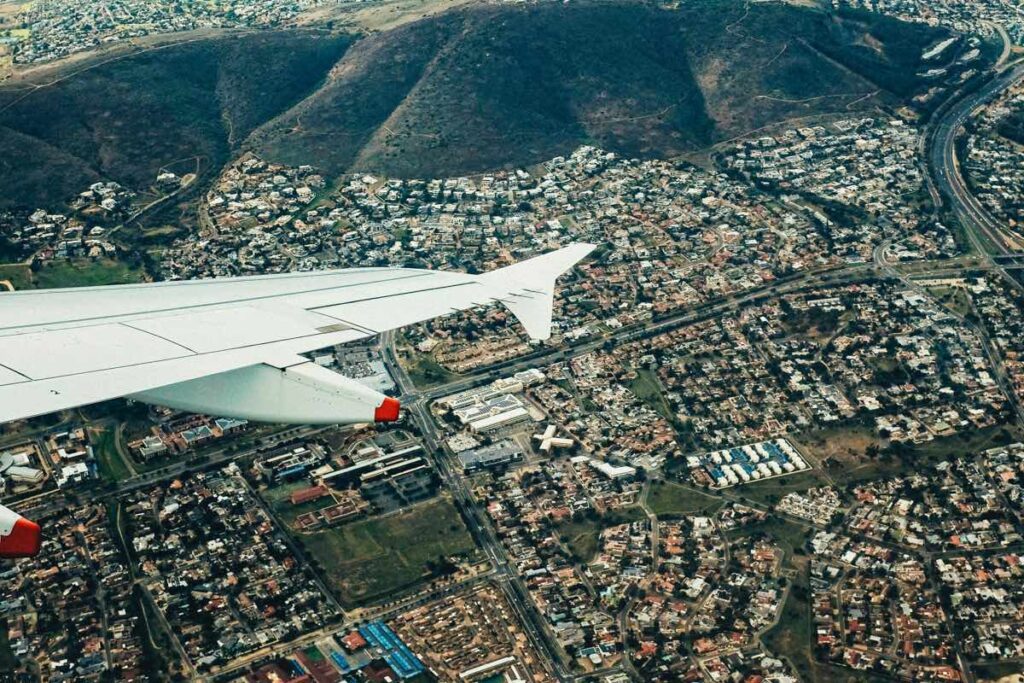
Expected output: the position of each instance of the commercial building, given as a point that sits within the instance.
(487, 457)
(151, 447)
(499, 387)
(608, 470)
(290, 465)
(494, 413)
(388, 481)
(548, 440)
(73, 474)
(16, 468)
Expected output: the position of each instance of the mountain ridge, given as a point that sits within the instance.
(478, 88)
(497, 86)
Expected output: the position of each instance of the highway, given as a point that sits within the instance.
(479, 525)
(547, 355)
(983, 230)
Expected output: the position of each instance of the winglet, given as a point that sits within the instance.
(530, 286)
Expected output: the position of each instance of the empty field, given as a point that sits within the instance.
(582, 536)
(666, 499)
(376, 558)
(84, 273)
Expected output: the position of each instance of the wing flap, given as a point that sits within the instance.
(43, 355)
(400, 310)
(218, 330)
(28, 399)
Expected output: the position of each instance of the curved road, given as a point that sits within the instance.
(979, 224)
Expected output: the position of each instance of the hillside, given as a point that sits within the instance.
(125, 119)
(1012, 126)
(490, 86)
(473, 89)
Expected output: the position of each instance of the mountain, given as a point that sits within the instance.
(477, 88)
(124, 119)
(491, 86)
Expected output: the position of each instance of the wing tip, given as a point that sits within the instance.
(538, 273)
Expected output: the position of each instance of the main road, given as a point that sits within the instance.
(985, 233)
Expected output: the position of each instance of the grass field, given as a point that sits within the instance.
(76, 273)
(425, 372)
(666, 499)
(966, 443)
(378, 558)
(912, 458)
(648, 390)
(842, 452)
(111, 466)
(845, 445)
(771, 491)
(953, 298)
(583, 536)
(7, 659)
(85, 273)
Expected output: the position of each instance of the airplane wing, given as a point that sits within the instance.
(231, 346)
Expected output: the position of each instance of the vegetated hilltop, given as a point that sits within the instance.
(489, 86)
(476, 88)
(125, 119)
(1012, 126)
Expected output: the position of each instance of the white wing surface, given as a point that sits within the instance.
(214, 345)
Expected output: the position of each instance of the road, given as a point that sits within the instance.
(416, 404)
(1004, 56)
(983, 230)
(479, 525)
(994, 241)
(995, 361)
(548, 355)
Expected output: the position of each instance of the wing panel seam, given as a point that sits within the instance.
(160, 337)
(19, 374)
(174, 358)
(232, 302)
(392, 296)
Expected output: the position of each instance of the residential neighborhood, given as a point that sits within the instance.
(776, 434)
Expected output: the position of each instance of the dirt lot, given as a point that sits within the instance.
(382, 16)
(843, 446)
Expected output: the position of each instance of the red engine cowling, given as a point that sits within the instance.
(19, 537)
